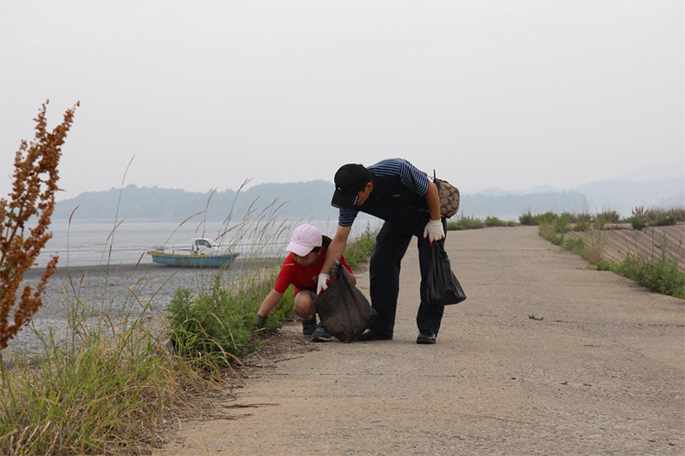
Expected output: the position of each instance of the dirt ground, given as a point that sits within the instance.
(544, 357)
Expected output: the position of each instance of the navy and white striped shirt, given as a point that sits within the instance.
(397, 181)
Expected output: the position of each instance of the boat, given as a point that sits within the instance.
(201, 254)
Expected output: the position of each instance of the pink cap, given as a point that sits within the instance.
(304, 239)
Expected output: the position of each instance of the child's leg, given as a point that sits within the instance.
(304, 305)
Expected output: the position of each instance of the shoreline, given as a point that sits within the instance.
(117, 290)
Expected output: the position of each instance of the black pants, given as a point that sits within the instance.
(391, 245)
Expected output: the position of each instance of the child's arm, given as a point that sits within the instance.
(267, 306)
(269, 303)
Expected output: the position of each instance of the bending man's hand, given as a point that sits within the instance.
(324, 279)
(434, 231)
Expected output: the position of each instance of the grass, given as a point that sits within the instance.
(494, 221)
(642, 218)
(113, 383)
(469, 222)
(465, 223)
(214, 330)
(107, 389)
(661, 274)
(359, 250)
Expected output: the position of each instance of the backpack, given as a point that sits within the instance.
(449, 196)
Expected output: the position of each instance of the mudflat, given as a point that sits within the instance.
(544, 357)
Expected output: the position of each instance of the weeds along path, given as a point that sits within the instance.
(617, 243)
(544, 357)
(116, 291)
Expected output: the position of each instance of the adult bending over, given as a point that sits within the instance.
(395, 191)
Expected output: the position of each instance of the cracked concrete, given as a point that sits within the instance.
(544, 357)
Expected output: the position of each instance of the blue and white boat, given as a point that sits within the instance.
(201, 254)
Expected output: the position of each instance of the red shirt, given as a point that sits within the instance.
(302, 277)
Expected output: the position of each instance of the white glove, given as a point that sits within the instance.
(323, 282)
(434, 231)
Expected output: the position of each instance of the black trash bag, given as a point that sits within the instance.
(443, 288)
(344, 310)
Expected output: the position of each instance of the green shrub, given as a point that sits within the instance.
(582, 226)
(547, 231)
(359, 249)
(465, 223)
(546, 217)
(561, 224)
(638, 222)
(493, 221)
(611, 216)
(599, 222)
(528, 219)
(663, 220)
(583, 218)
(215, 329)
(662, 275)
(575, 245)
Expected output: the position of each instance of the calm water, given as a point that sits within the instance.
(93, 243)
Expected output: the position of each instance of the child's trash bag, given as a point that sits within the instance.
(344, 310)
(443, 288)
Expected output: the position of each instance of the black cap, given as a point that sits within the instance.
(343, 200)
(349, 181)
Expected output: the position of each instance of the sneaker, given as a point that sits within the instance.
(308, 326)
(426, 337)
(321, 334)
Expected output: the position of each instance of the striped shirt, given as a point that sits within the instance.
(410, 177)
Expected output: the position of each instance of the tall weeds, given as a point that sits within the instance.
(33, 197)
(107, 382)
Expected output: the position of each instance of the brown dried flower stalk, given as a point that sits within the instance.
(33, 195)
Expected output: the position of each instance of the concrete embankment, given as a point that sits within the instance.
(544, 357)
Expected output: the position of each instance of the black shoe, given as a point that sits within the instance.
(321, 334)
(308, 326)
(426, 337)
(369, 335)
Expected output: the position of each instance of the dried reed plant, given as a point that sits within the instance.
(33, 197)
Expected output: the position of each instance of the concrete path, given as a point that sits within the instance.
(544, 357)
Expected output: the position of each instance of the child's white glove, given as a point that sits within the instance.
(324, 279)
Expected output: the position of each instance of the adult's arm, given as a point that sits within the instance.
(334, 252)
(434, 230)
(433, 200)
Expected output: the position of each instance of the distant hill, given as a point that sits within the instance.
(623, 196)
(619, 195)
(301, 199)
(311, 200)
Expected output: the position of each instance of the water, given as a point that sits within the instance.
(87, 251)
(99, 243)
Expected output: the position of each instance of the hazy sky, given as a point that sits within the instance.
(508, 94)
